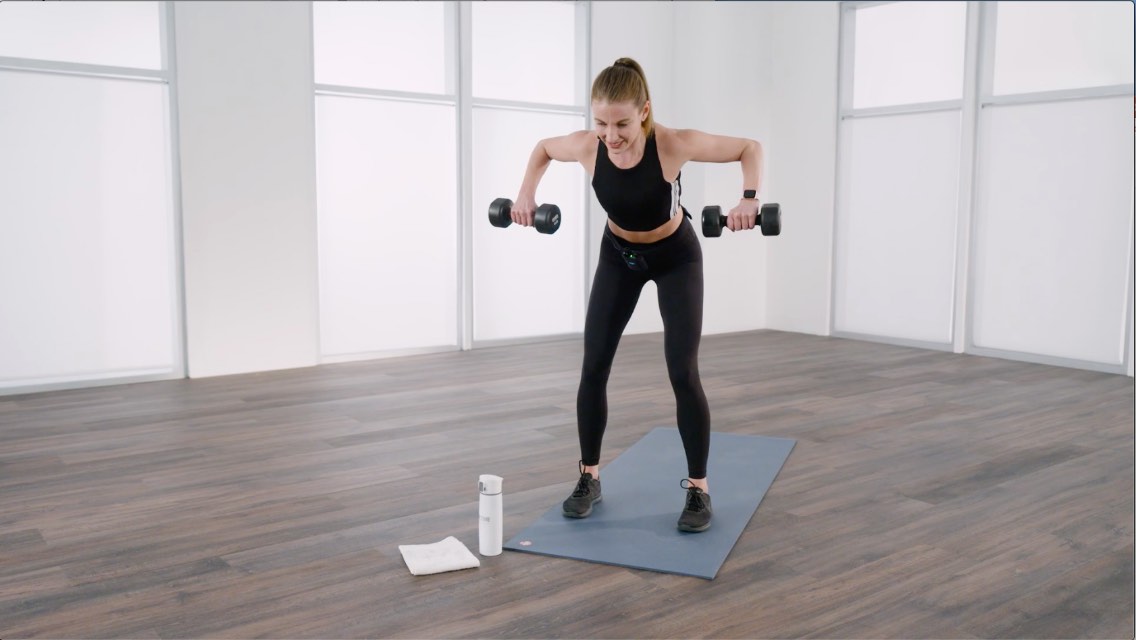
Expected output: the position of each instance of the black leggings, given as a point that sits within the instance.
(675, 264)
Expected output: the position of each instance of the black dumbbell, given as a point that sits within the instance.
(770, 220)
(546, 218)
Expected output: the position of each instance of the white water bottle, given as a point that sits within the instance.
(489, 515)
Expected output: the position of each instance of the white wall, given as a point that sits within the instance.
(244, 74)
(804, 61)
(764, 70)
(247, 164)
(723, 78)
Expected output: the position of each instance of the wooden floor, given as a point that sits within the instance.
(929, 495)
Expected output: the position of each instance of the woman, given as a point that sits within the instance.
(635, 166)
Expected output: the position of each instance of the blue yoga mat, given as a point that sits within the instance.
(634, 525)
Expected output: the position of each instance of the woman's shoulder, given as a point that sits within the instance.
(577, 146)
(585, 148)
(585, 142)
(672, 150)
(671, 142)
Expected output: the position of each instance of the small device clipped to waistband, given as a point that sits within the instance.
(635, 260)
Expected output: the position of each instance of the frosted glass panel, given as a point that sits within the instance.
(525, 283)
(1053, 228)
(525, 51)
(909, 52)
(1045, 46)
(387, 196)
(397, 46)
(895, 238)
(87, 284)
(122, 34)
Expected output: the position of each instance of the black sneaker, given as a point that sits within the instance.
(696, 515)
(586, 494)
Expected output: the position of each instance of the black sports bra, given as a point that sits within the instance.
(639, 198)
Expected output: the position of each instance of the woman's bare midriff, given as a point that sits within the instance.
(647, 237)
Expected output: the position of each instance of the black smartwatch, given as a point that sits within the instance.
(749, 194)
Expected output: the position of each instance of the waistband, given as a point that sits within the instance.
(645, 247)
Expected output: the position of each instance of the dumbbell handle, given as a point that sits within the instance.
(723, 217)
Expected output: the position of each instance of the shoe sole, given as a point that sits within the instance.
(686, 527)
(569, 514)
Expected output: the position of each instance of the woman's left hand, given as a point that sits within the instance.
(743, 216)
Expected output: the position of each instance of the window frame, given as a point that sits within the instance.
(978, 97)
(459, 82)
(165, 75)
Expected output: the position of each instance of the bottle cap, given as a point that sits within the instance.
(489, 485)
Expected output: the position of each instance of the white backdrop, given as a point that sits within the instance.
(248, 175)
(1051, 253)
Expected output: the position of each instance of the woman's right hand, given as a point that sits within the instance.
(523, 210)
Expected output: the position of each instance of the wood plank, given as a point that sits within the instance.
(930, 495)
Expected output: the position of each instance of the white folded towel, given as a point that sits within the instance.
(447, 555)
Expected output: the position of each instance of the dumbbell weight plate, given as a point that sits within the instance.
(771, 219)
(499, 212)
(547, 218)
(712, 221)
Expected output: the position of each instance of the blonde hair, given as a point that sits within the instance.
(624, 81)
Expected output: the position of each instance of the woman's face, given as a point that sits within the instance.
(619, 125)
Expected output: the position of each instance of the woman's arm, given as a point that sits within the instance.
(699, 146)
(567, 148)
